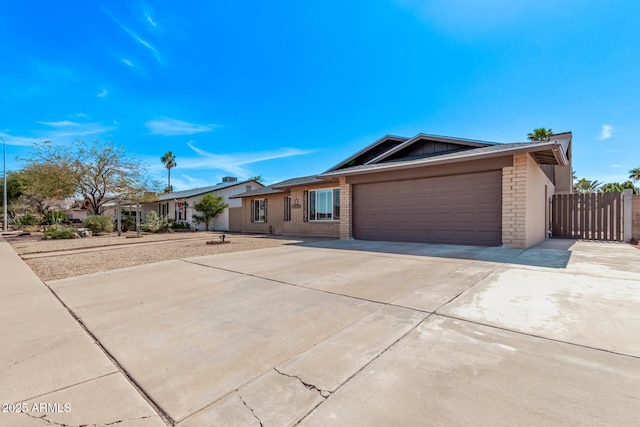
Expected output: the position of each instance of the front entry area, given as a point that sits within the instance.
(463, 209)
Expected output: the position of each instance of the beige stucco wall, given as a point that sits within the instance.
(297, 226)
(635, 219)
(537, 208)
(524, 207)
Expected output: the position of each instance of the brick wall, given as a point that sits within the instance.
(275, 215)
(514, 200)
(346, 217)
(297, 226)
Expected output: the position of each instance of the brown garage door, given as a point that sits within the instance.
(457, 209)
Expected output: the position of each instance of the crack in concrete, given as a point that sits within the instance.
(309, 386)
(249, 407)
(51, 422)
(365, 366)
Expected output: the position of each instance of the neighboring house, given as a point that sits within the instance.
(179, 205)
(75, 210)
(423, 189)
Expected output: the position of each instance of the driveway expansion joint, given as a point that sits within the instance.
(53, 423)
(164, 416)
(615, 353)
(284, 283)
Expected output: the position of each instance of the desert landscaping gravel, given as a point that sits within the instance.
(77, 257)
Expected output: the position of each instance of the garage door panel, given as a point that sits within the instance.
(459, 209)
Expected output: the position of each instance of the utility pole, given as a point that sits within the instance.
(5, 218)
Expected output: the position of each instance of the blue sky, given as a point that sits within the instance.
(290, 88)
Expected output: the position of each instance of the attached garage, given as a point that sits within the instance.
(463, 209)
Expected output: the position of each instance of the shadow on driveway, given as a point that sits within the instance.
(552, 253)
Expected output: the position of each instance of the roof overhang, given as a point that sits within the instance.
(459, 141)
(545, 152)
(400, 139)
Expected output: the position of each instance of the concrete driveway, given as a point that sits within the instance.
(376, 334)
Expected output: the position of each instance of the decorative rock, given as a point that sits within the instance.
(46, 237)
(85, 233)
(75, 236)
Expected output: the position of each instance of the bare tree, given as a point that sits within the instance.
(99, 172)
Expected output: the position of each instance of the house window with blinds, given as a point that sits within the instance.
(324, 205)
(259, 210)
(287, 209)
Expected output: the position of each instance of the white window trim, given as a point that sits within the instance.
(333, 189)
(257, 203)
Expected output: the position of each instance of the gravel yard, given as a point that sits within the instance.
(58, 259)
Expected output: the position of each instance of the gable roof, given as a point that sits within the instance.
(391, 144)
(303, 180)
(262, 191)
(545, 152)
(393, 139)
(282, 186)
(185, 194)
(471, 143)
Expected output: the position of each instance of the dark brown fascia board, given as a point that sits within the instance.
(306, 184)
(464, 156)
(243, 195)
(460, 141)
(367, 148)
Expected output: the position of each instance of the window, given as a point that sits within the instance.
(259, 210)
(287, 208)
(324, 205)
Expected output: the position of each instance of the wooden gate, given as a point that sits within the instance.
(595, 216)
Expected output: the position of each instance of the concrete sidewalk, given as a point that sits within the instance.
(52, 370)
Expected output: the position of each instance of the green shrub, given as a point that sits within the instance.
(53, 218)
(98, 224)
(181, 226)
(166, 223)
(59, 231)
(26, 219)
(153, 223)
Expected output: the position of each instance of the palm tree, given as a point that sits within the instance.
(169, 161)
(540, 134)
(618, 187)
(586, 186)
(634, 174)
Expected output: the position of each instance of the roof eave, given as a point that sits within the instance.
(445, 139)
(367, 148)
(466, 156)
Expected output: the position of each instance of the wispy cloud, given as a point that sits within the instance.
(234, 163)
(67, 128)
(19, 141)
(128, 62)
(616, 166)
(186, 182)
(58, 131)
(169, 127)
(606, 132)
(135, 36)
(150, 20)
(61, 123)
(102, 93)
